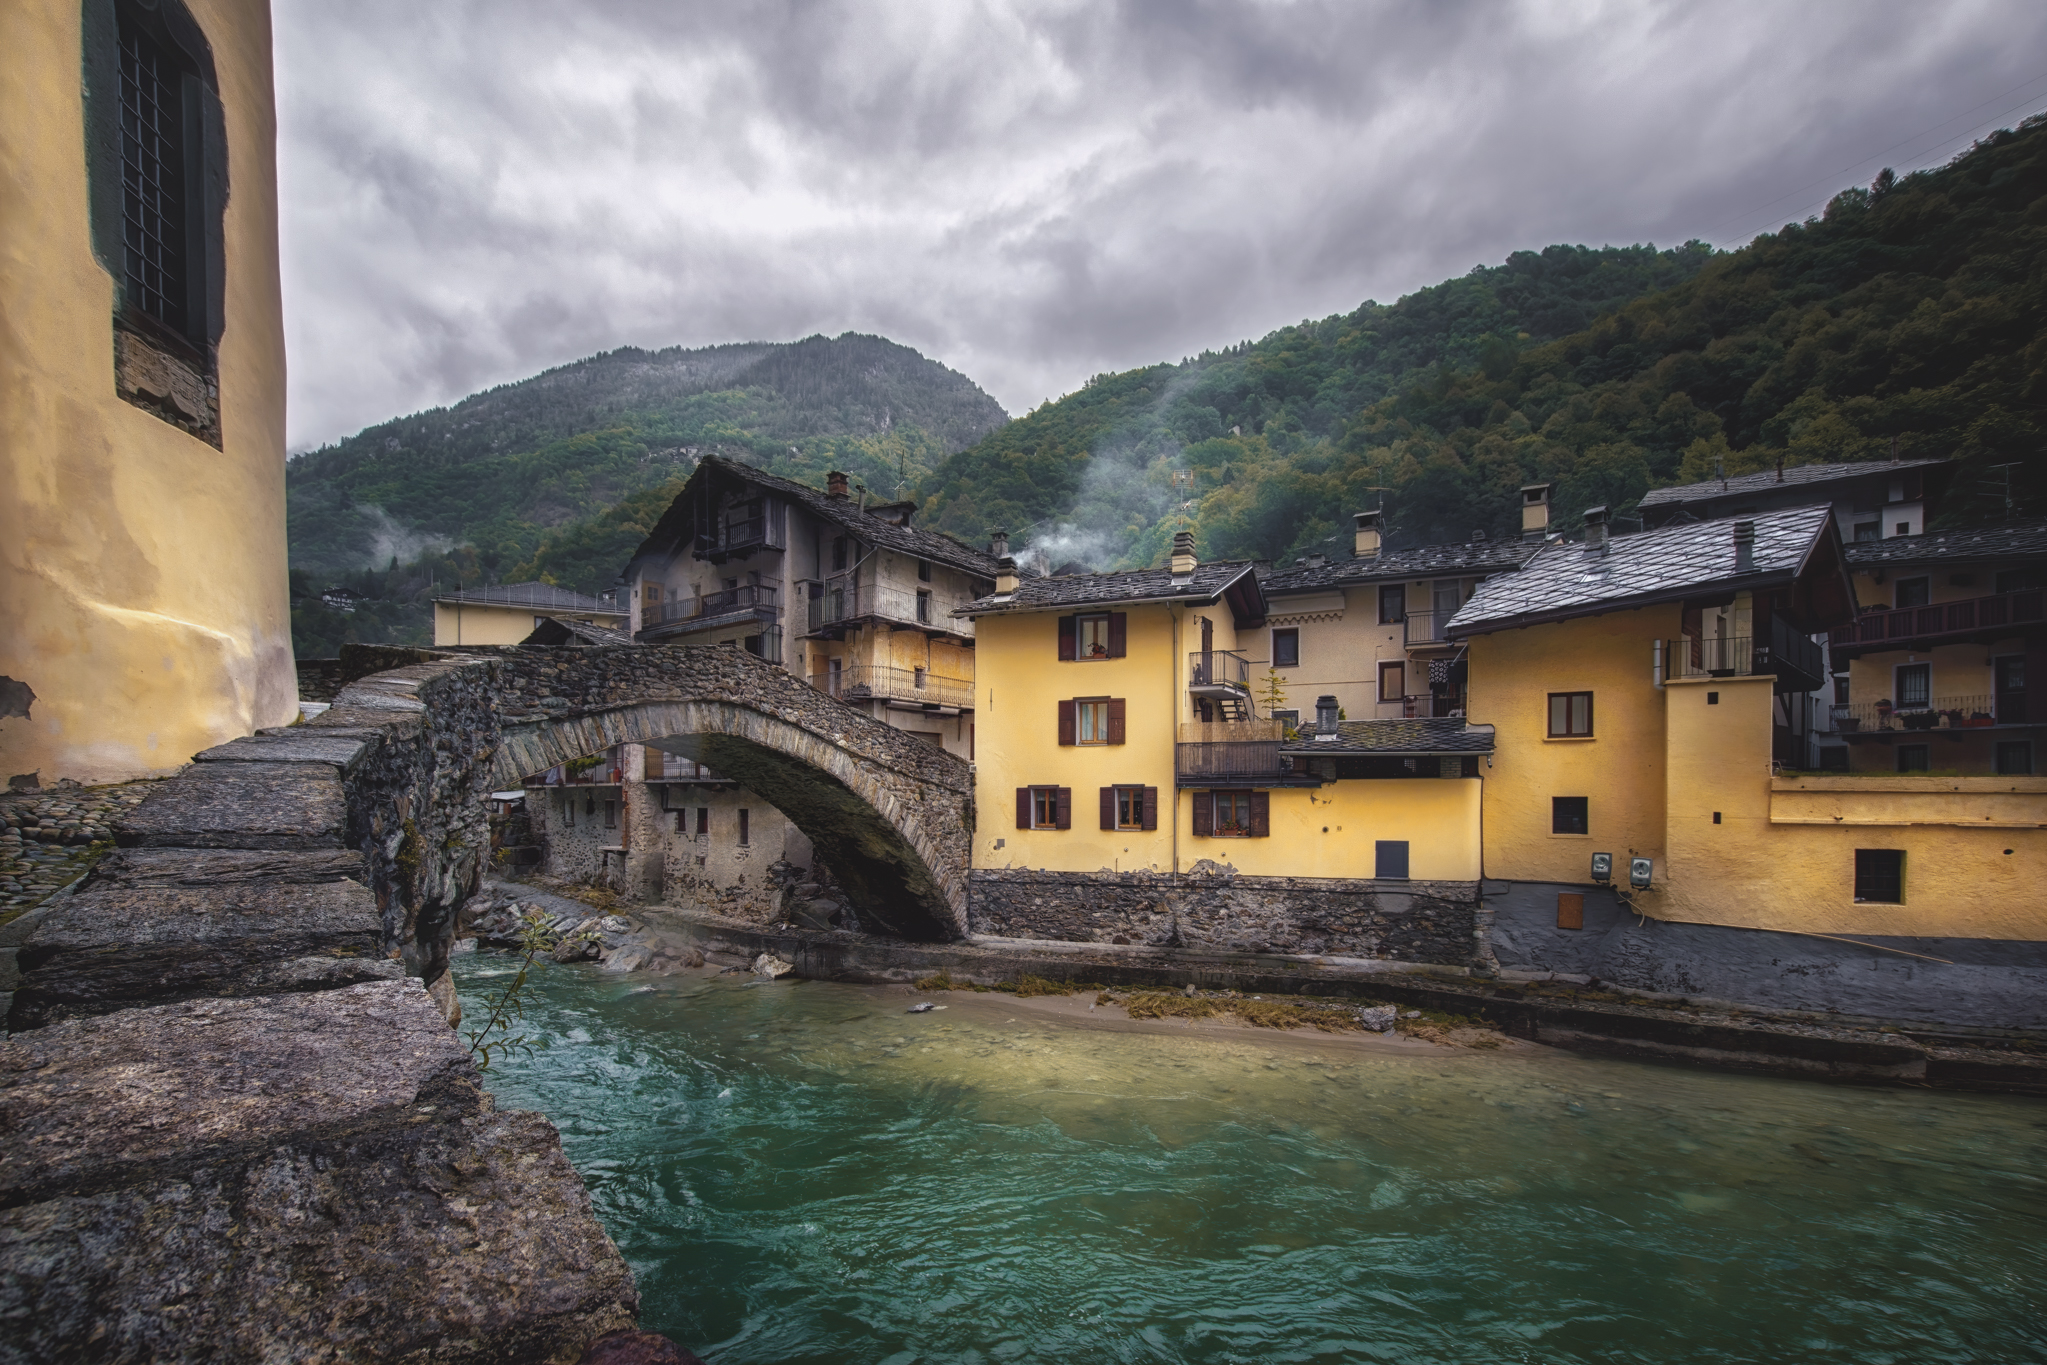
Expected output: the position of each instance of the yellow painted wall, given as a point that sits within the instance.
(1332, 831)
(1620, 769)
(466, 623)
(142, 572)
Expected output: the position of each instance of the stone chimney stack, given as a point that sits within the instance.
(1535, 511)
(1368, 532)
(835, 484)
(1595, 530)
(1325, 717)
(998, 545)
(1182, 563)
(1744, 547)
(1005, 576)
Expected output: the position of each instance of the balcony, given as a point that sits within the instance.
(1980, 712)
(731, 606)
(873, 682)
(1976, 618)
(737, 538)
(1425, 630)
(1222, 673)
(666, 767)
(841, 605)
(1796, 661)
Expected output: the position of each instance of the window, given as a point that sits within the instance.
(1868, 530)
(1289, 717)
(1092, 634)
(703, 822)
(1390, 859)
(1231, 814)
(1092, 720)
(1286, 648)
(1912, 592)
(1915, 686)
(1880, 875)
(1903, 528)
(1912, 758)
(839, 553)
(917, 676)
(1132, 808)
(1570, 715)
(1044, 807)
(745, 827)
(923, 607)
(834, 675)
(568, 812)
(611, 815)
(1840, 689)
(1392, 681)
(682, 822)
(650, 593)
(923, 571)
(1392, 604)
(1099, 635)
(1570, 815)
(2018, 580)
(2015, 759)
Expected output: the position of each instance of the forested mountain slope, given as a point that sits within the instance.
(499, 470)
(1912, 312)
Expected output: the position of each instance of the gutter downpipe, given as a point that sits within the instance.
(1656, 665)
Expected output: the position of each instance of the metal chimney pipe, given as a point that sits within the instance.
(1325, 717)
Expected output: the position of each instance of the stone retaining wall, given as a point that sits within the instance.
(1213, 907)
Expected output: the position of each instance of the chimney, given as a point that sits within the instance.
(1534, 511)
(1744, 547)
(1368, 532)
(1478, 536)
(998, 545)
(1325, 718)
(1005, 576)
(1314, 561)
(1182, 562)
(835, 484)
(1595, 530)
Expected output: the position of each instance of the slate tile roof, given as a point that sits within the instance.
(1396, 566)
(2014, 540)
(539, 596)
(1651, 566)
(1767, 480)
(1396, 738)
(557, 630)
(1207, 582)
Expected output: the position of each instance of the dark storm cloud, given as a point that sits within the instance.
(1032, 192)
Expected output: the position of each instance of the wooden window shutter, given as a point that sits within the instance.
(1023, 807)
(1066, 637)
(1204, 813)
(1119, 635)
(1065, 808)
(1261, 815)
(1108, 808)
(1066, 722)
(1115, 720)
(1151, 807)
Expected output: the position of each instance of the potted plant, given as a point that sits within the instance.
(1883, 713)
(1979, 720)
(1919, 720)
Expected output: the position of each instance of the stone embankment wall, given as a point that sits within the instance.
(239, 1126)
(1213, 907)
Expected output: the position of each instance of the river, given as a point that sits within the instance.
(803, 1172)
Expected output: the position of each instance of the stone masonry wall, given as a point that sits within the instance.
(1214, 908)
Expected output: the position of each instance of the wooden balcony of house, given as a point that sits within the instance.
(675, 769)
(1984, 619)
(836, 608)
(1235, 754)
(737, 537)
(897, 686)
(711, 611)
(1796, 661)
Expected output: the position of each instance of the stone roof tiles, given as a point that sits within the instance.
(1207, 582)
(845, 512)
(1425, 561)
(1397, 738)
(1769, 479)
(540, 596)
(2015, 540)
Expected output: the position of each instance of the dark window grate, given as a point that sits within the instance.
(152, 179)
(1880, 875)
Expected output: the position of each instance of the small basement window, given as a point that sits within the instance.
(1570, 815)
(1912, 758)
(1880, 875)
(2015, 758)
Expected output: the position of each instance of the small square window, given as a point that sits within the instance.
(1389, 859)
(923, 571)
(1712, 699)
(1570, 714)
(1904, 529)
(2015, 759)
(1868, 530)
(1091, 636)
(1915, 686)
(1286, 648)
(1913, 592)
(1840, 689)
(1570, 815)
(1880, 875)
(1912, 758)
(1044, 808)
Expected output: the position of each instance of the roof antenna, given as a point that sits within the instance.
(1780, 465)
(1894, 447)
(1720, 471)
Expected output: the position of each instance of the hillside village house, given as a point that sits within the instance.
(509, 613)
(1871, 500)
(1131, 792)
(142, 541)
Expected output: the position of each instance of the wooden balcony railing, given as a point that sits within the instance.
(2028, 606)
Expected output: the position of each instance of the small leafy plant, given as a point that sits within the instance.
(504, 1007)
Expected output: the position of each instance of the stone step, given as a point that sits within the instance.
(241, 805)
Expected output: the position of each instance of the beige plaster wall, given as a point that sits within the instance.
(143, 594)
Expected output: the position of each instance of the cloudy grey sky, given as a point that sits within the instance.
(474, 190)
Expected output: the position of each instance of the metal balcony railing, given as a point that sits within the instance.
(738, 536)
(2028, 606)
(1218, 669)
(762, 599)
(1426, 628)
(1938, 713)
(856, 602)
(874, 682)
(663, 766)
(1795, 660)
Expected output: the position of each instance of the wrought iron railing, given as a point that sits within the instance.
(1426, 627)
(874, 682)
(1937, 713)
(854, 602)
(1794, 659)
(763, 599)
(1218, 668)
(2026, 606)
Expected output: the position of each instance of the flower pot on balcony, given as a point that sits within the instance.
(1979, 721)
(1848, 725)
(1919, 720)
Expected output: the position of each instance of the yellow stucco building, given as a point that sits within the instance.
(507, 613)
(142, 532)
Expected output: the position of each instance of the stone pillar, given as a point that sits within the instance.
(639, 826)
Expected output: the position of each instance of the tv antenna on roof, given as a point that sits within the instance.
(2007, 468)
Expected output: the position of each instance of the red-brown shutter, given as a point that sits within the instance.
(1261, 815)
(1023, 807)
(1066, 722)
(1119, 635)
(1065, 820)
(1108, 808)
(1066, 636)
(1151, 807)
(1204, 813)
(1115, 720)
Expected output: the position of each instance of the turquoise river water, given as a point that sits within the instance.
(803, 1172)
